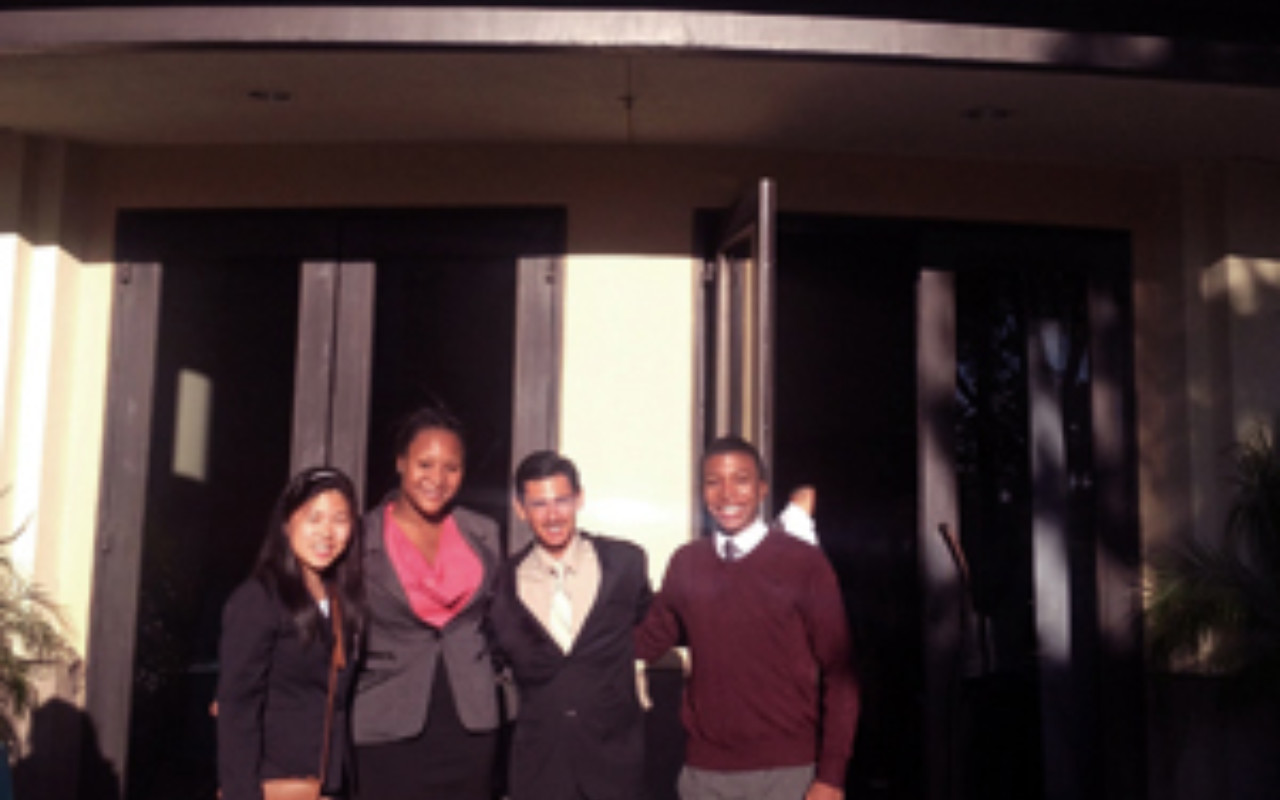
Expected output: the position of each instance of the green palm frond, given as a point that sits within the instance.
(1220, 604)
(31, 633)
(1253, 522)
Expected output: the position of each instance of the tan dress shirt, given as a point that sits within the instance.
(536, 581)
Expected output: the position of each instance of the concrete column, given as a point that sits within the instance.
(1252, 260)
(1209, 367)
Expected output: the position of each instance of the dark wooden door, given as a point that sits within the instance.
(248, 345)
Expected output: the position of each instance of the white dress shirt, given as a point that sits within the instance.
(794, 520)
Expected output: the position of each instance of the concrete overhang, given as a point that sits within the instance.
(206, 75)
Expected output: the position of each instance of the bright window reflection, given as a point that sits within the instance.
(191, 425)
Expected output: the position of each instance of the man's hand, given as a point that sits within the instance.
(806, 497)
(642, 685)
(823, 791)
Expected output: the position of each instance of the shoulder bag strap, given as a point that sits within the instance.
(337, 661)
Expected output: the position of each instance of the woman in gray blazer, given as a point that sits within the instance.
(425, 717)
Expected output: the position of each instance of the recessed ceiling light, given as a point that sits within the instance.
(987, 113)
(270, 95)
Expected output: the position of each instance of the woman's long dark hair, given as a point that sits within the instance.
(279, 570)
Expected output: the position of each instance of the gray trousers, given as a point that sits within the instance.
(779, 783)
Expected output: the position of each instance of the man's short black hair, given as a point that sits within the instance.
(542, 464)
(735, 444)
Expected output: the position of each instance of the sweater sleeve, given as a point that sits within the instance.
(660, 629)
(644, 596)
(245, 651)
(829, 634)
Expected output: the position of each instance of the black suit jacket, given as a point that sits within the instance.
(272, 688)
(580, 730)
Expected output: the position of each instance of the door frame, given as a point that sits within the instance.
(331, 401)
(333, 367)
(1106, 668)
(535, 405)
(122, 503)
(735, 330)
(942, 570)
(323, 400)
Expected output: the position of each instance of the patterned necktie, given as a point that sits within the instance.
(561, 618)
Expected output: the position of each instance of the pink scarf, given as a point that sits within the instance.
(437, 591)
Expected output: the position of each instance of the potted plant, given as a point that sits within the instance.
(1213, 617)
(31, 635)
(1219, 604)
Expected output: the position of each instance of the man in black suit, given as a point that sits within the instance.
(562, 616)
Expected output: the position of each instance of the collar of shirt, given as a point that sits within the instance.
(536, 582)
(745, 540)
(571, 558)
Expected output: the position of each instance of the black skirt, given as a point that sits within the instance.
(443, 762)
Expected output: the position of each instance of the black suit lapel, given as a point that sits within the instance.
(531, 628)
(609, 577)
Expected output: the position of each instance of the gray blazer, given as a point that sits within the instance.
(394, 686)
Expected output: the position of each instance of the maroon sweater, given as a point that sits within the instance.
(772, 683)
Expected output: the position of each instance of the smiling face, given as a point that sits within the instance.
(318, 532)
(431, 471)
(732, 490)
(550, 506)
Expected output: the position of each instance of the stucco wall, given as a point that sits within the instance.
(640, 200)
(1231, 267)
(54, 314)
(626, 416)
(621, 201)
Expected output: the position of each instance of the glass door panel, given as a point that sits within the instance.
(1018, 680)
(444, 334)
(448, 283)
(219, 452)
(264, 361)
(740, 311)
(960, 396)
(845, 423)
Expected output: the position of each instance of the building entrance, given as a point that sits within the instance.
(961, 396)
(257, 343)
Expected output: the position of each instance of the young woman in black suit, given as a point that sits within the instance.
(279, 630)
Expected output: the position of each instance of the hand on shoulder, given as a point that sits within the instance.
(823, 791)
(805, 498)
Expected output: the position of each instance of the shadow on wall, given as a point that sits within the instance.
(63, 761)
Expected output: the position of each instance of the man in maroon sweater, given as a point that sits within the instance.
(771, 703)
